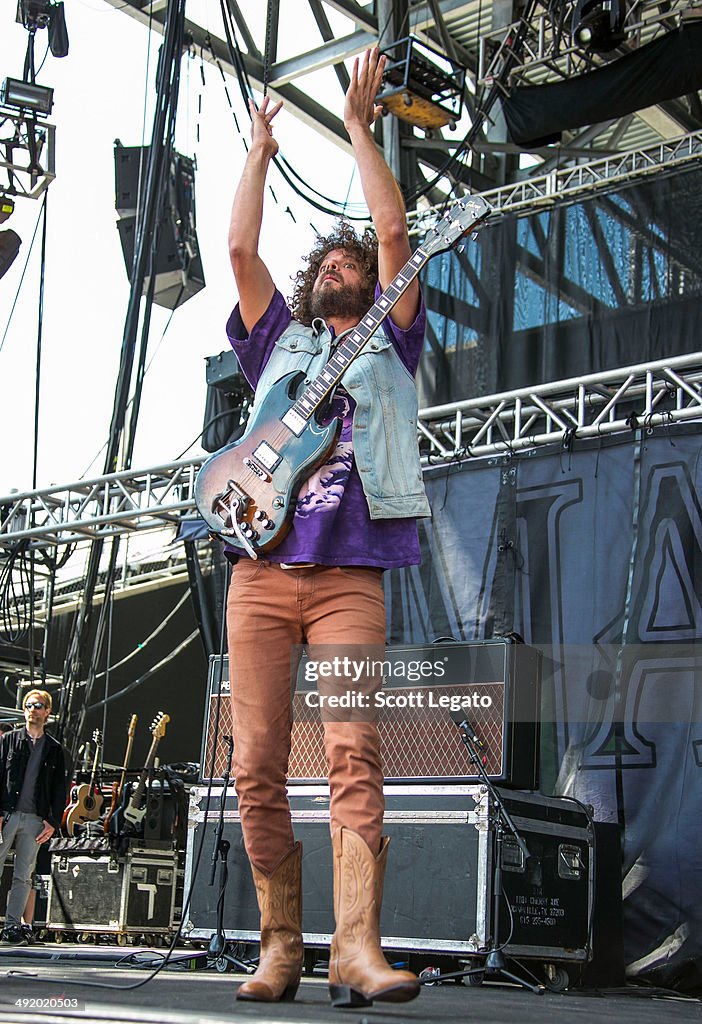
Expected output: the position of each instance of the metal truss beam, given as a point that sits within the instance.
(569, 182)
(646, 396)
(547, 51)
(27, 154)
(118, 503)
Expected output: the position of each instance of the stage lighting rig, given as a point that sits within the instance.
(38, 14)
(26, 96)
(598, 25)
(421, 85)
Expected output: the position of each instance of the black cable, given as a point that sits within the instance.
(196, 861)
(147, 218)
(21, 281)
(146, 675)
(335, 208)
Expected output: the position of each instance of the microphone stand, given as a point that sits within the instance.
(218, 948)
(495, 965)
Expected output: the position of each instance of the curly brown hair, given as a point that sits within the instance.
(363, 249)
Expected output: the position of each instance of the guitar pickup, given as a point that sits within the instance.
(267, 456)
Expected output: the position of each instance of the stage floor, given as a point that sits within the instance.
(85, 984)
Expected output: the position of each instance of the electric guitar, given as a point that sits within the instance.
(118, 787)
(135, 809)
(246, 492)
(86, 799)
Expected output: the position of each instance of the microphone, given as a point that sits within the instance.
(462, 722)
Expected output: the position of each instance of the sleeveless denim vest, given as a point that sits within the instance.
(384, 423)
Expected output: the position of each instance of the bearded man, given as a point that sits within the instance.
(354, 518)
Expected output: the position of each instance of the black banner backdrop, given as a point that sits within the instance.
(611, 281)
(596, 556)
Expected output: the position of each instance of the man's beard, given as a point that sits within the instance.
(344, 300)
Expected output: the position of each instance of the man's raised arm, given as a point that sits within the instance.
(381, 191)
(253, 280)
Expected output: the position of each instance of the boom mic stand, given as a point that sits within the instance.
(218, 948)
(495, 965)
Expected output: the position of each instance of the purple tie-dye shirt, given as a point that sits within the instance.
(332, 524)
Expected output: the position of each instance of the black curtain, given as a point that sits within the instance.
(664, 69)
(610, 281)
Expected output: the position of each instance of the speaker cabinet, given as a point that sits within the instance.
(496, 684)
(178, 265)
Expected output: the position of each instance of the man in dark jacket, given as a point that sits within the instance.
(32, 800)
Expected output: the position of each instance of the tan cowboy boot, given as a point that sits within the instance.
(358, 970)
(279, 898)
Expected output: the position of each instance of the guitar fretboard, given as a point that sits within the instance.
(317, 391)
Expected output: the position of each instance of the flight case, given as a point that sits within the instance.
(439, 879)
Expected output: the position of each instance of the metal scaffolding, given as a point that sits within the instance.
(645, 397)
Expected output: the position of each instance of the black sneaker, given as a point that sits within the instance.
(31, 936)
(13, 936)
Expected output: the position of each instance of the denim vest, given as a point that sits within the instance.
(384, 423)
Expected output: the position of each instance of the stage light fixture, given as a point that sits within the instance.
(7, 207)
(38, 14)
(598, 25)
(27, 96)
(421, 85)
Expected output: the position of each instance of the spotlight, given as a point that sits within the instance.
(7, 207)
(421, 85)
(38, 14)
(598, 25)
(26, 96)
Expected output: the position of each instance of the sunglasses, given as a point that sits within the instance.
(34, 704)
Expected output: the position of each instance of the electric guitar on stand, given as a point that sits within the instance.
(118, 787)
(246, 492)
(86, 799)
(130, 817)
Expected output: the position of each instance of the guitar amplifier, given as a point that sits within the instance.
(496, 683)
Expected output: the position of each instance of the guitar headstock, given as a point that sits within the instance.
(132, 726)
(158, 726)
(462, 217)
(97, 738)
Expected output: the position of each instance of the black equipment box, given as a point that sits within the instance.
(499, 680)
(114, 893)
(441, 868)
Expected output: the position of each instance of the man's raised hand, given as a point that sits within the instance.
(366, 79)
(261, 130)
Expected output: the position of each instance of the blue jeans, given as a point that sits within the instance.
(22, 830)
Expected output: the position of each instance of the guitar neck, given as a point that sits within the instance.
(125, 765)
(316, 393)
(138, 793)
(93, 774)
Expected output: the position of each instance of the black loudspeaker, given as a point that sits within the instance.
(177, 264)
(497, 683)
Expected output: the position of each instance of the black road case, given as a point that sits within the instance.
(439, 881)
(107, 893)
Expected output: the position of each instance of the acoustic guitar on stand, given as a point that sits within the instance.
(86, 798)
(246, 492)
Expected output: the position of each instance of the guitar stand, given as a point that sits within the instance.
(218, 947)
(495, 965)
